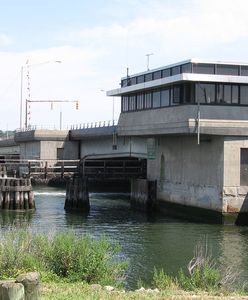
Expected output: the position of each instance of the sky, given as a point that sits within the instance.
(96, 41)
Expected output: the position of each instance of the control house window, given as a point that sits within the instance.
(165, 97)
(156, 99)
(205, 93)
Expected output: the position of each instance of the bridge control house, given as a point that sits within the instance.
(194, 118)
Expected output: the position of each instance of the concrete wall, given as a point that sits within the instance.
(30, 150)
(71, 150)
(102, 147)
(187, 173)
(48, 149)
(234, 195)
(215, 120)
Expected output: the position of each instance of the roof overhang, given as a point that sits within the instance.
(158, 83)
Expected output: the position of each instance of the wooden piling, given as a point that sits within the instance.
(16, 193)
(77, 195)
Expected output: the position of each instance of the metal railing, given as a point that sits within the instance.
(86, 125)
(94, 124)
(36, 127)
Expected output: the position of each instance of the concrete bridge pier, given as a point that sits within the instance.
(77, 195)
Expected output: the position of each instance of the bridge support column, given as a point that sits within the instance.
(143, 194)
(77, 195)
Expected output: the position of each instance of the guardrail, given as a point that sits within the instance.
(95, 124)
(86, 125)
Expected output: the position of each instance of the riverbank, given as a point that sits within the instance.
(77, 291)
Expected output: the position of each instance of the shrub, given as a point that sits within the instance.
(60, 256)
(163, 281)
(202, 274)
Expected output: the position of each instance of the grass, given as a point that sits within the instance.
(70, 264)
(60, 257)
(202, 274)
(77, 291)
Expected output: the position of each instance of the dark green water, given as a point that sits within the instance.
(146, 242)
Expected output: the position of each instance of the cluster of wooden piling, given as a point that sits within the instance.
(77, 195)
(16, 193)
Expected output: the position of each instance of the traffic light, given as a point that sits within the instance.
(77, 105)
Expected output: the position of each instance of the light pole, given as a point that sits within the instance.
(21, 96)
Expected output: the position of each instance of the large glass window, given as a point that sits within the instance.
(203, 68)
(140, 101)
(140, 79)
(156, 99)
(124, 82)
(220, 93)
(186, 68)
(166, 73)
(244, 71)
(227, 93)
(132, 102)
(176, 94)
(124, 103)
(205, 93)
(175, 70)
(165, 97)
(148, 100)
(157, 75)
(188, 93)
(227, 70)
(133, 80)
(148, 77)
(235, 94)
(244, 94)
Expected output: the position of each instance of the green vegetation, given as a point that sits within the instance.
(79, 290)
(60, 257)
(202, 274)
(70, 264)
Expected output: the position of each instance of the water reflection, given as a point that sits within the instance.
(15, 218)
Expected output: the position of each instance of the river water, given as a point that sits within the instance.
(147, 241)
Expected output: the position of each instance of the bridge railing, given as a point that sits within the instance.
(97, 124)
(37, 167)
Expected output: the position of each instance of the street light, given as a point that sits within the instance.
(22, 69)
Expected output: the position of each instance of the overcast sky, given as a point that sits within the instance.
(96, 41)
